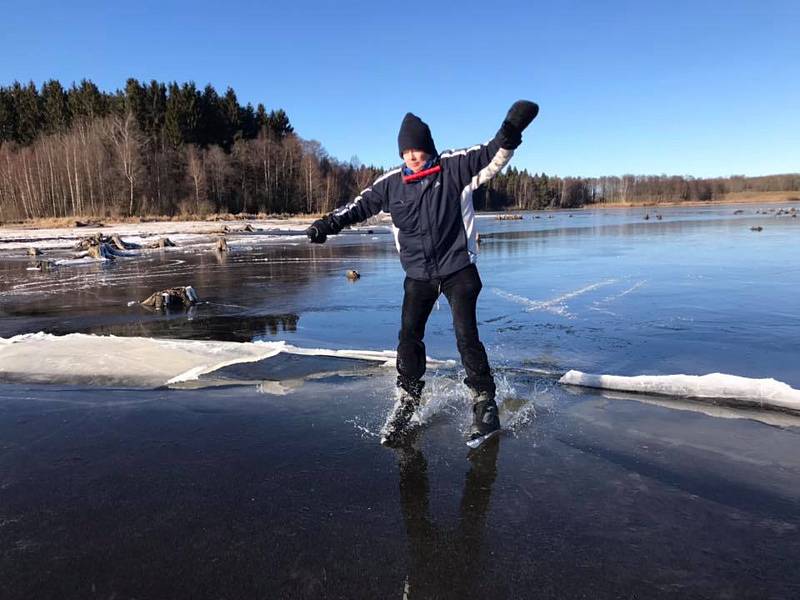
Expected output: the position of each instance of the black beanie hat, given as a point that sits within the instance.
(415, 134)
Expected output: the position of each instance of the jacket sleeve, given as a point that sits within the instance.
(368, 203)
(476, 165)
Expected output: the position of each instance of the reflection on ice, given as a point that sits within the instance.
(716, 410)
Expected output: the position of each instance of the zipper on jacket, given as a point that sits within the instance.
(422, 237)
(430, 232)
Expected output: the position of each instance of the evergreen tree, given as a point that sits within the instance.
(156, 108)
(86, 101)
(8, 117)
(27, 105)
(55, 108)
(182, 114)
(278, 123)
(135, 102)
(172, 116)
(116, 104)
(191, 112)
(212, 130)
(249, 123)
(231, 111)
(262, 118)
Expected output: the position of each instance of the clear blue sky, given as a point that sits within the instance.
(698, 88)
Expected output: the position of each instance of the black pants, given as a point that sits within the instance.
(461, 290)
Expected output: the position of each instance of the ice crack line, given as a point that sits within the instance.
(555, 305)
(601, 305)
(633, 288)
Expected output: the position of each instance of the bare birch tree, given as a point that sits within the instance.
(127, 143)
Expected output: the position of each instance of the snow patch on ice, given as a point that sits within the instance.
(767, 393)
(144, 362)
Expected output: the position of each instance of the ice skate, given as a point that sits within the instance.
(485, 423)
(403, 419)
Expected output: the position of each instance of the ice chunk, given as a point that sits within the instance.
(764, 392)
(143, 362)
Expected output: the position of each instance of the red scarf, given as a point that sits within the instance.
(421, 174)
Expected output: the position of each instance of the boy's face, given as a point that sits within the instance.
(415, 159)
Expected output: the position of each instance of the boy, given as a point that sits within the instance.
(430, 201)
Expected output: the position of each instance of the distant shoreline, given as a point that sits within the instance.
(736, 198)
(301, 219)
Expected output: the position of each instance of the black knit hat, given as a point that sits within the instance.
(415, 134)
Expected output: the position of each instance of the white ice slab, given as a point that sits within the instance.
(143, 362)
(764, 392)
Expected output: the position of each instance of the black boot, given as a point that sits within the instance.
(485, 419)
(403, 420)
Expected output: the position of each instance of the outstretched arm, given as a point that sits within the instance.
(368, 203)
(484, 161)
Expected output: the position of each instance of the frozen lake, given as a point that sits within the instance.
(266, 478)
(600, 291)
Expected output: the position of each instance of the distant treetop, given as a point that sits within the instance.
(176, 113)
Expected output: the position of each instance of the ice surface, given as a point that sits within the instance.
(763, 392)
(556, 305)
(83, 260)
(143, 362)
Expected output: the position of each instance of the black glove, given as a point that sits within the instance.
(519, 116)
(521, 113)
(319, 231)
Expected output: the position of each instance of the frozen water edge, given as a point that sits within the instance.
(766, 393)
(144, 362)
(15, 240)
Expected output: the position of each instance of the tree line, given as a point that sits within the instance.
(167, 148)
(158, 149)
(517, 189)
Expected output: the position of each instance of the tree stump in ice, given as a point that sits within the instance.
(161, 243)
(101, 252)
(175, 297)
(88, 242)
(122, 245)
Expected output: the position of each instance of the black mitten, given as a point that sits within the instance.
(319, 231)
(521, 113)
(519, 116)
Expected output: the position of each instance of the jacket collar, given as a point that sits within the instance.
(430, 167)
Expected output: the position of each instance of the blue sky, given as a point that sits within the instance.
(697, 88)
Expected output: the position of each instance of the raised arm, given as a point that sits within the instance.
(484, 161)
(369, 202)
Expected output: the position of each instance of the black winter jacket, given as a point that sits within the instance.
(433, 219)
